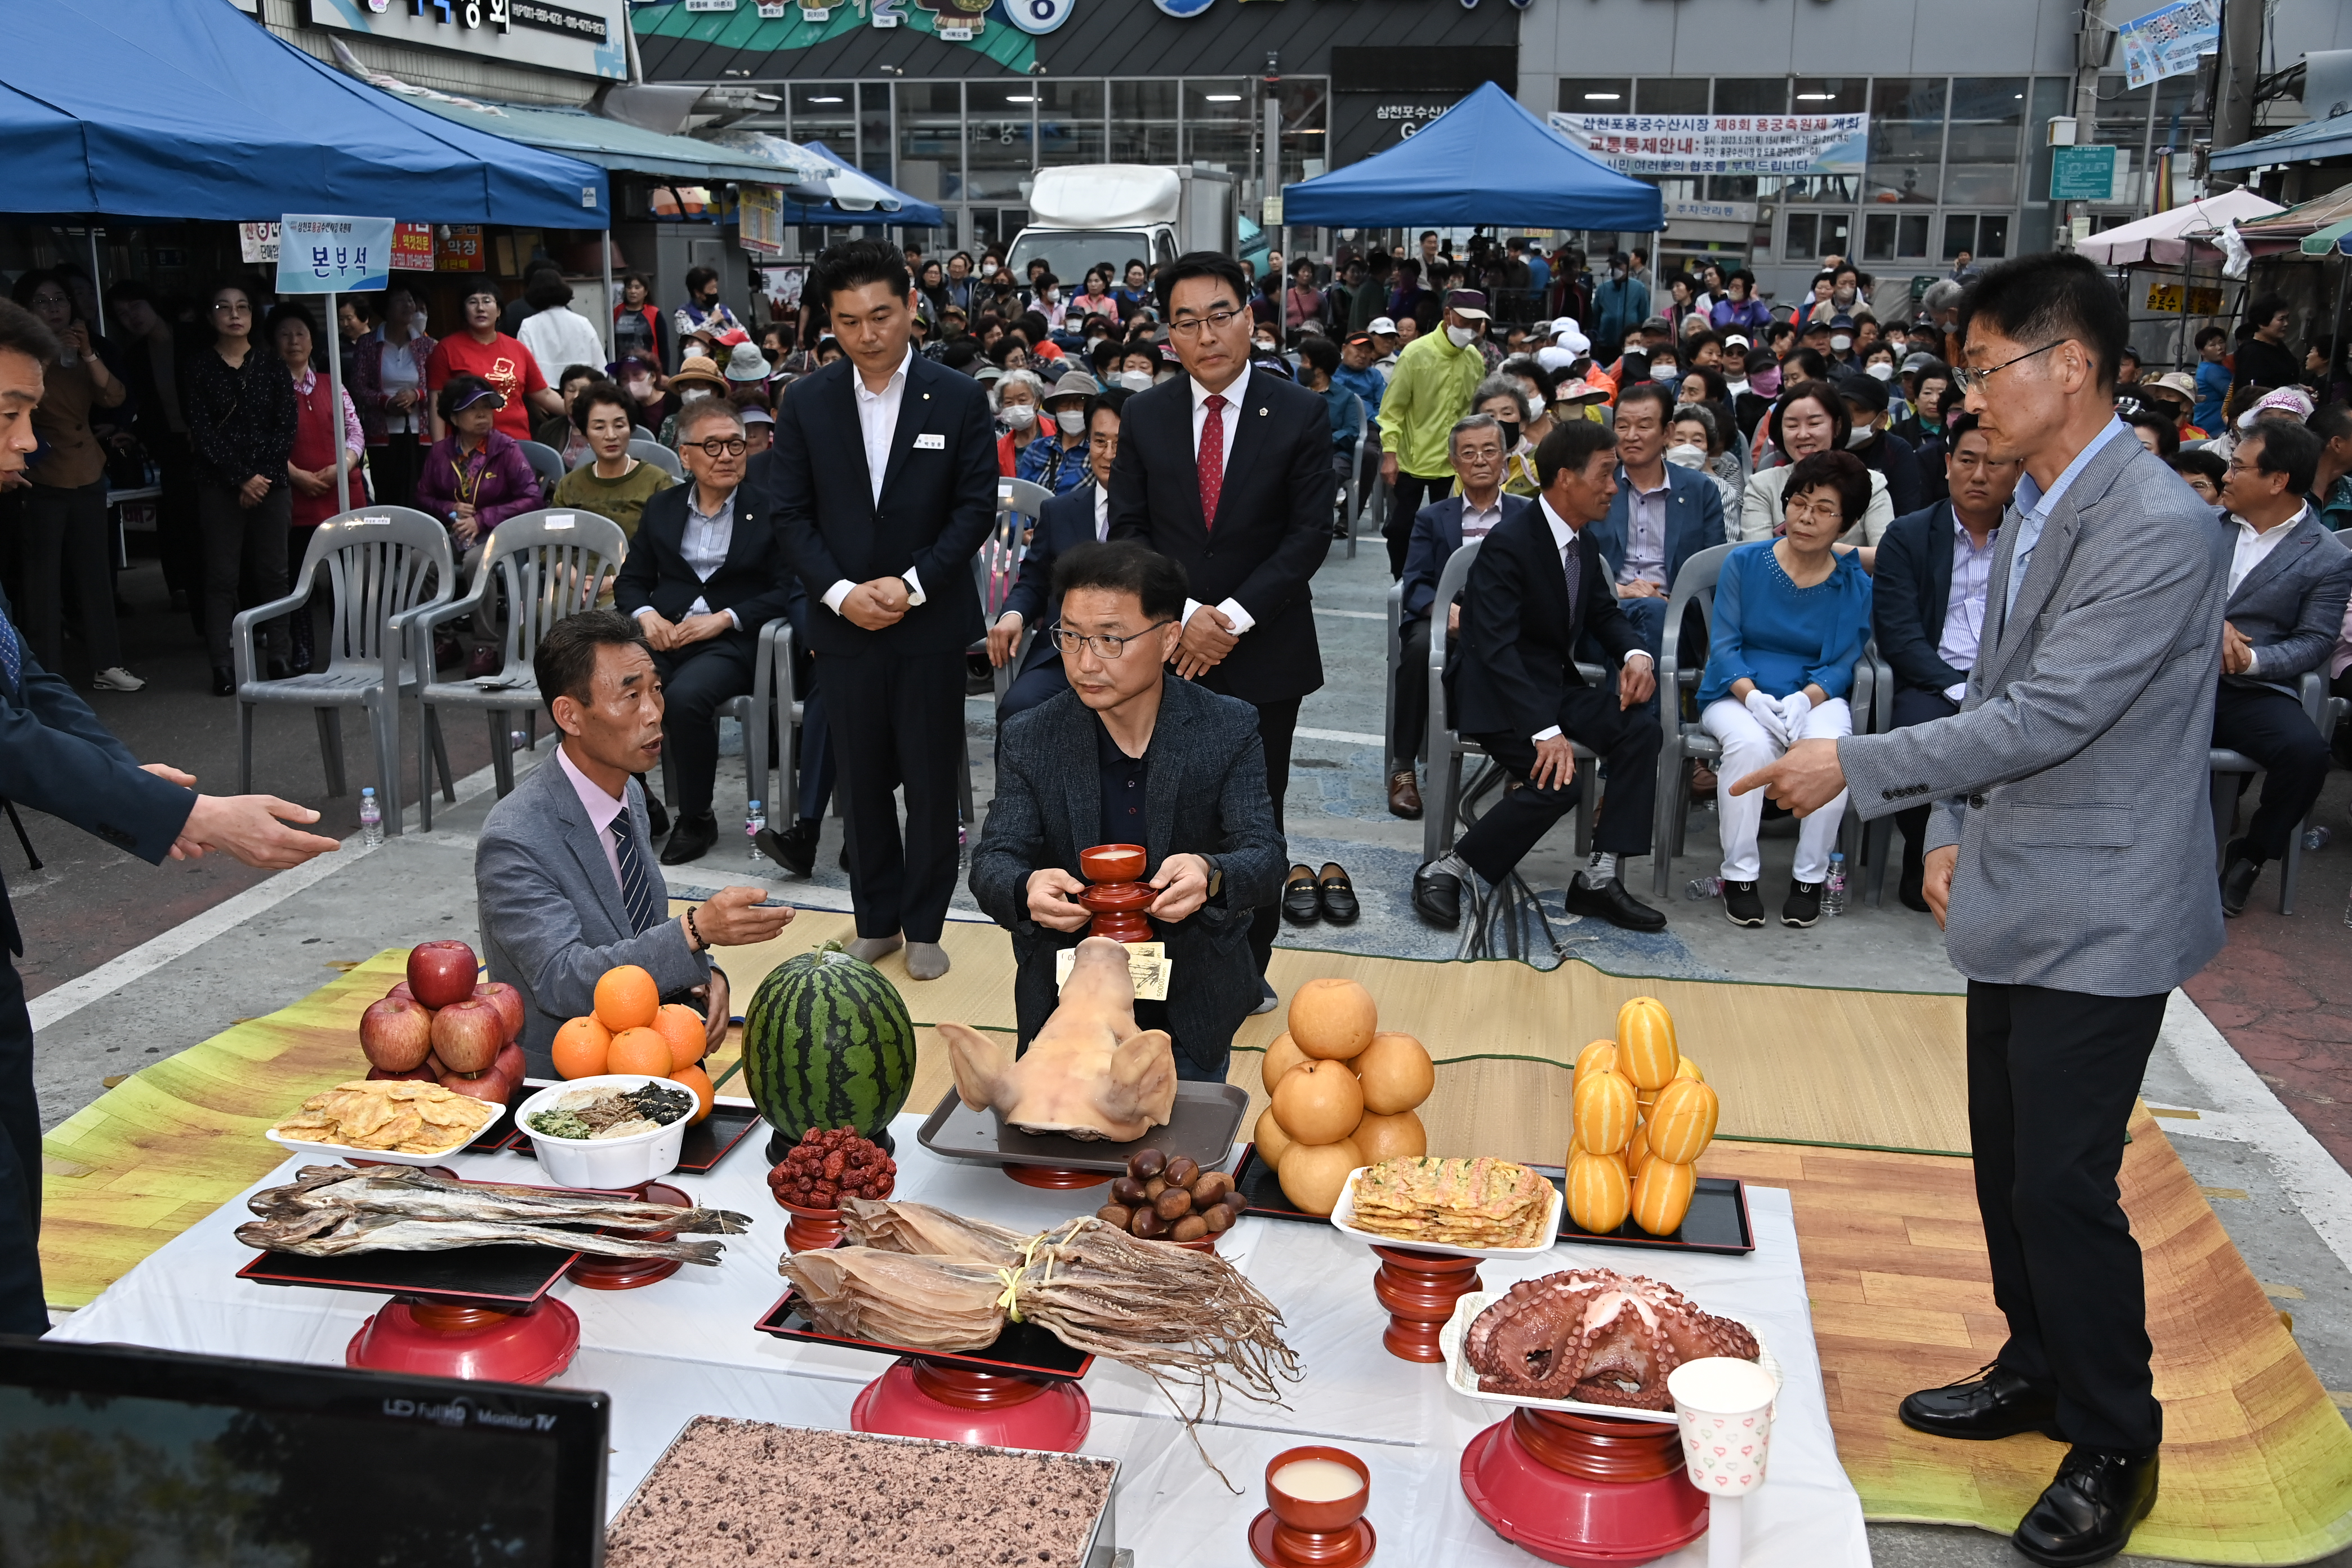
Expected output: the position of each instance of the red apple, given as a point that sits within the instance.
(466, 1035)
(396, 1034)
(509, 1001)
(414, 1075)
(489, 1086)
(402, 990)
(441, 972)
(511, 1064)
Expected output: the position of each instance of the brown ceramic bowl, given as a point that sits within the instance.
(1112, 862)
(1317, 1517)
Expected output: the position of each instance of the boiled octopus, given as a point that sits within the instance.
(1596, 1335)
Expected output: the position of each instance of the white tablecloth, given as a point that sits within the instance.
(685, 1347)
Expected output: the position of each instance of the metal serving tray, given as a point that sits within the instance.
(1202, 1126)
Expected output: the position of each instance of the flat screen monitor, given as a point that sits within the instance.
(118, 1455)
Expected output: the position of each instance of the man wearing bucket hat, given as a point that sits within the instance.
(1430, 388)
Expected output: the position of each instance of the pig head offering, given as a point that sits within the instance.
(1090, 1073)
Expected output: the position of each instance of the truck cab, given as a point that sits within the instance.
(1087, 214)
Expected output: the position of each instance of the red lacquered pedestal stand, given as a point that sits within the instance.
(921, 1398)
(811, 1230)
(453, 1339)
(1295, 1534)
(1419, 1289)
(1056, 1178)
(597, 1273)
(1583, 1490)
(1117, 899)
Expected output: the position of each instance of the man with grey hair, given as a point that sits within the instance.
(1477, 451)
(705, 572)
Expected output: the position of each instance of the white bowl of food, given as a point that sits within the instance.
(586, 1134)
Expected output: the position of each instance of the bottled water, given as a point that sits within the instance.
(1701, 887)
(518, 740)
(1834, 889)
(755, 823)
(371, 819)
(2314, 837)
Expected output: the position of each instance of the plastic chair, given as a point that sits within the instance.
(1355, 501)
(386, 568)
(1447, 748)
(2225, 767)
(754, 711)
(1017, 503)
(551, 564)
(639, 433)
(659, 456)
(1395, 658)
(546, 462)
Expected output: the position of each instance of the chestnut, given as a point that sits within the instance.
(1173, 1205)
(1211, 1187)
(1192, 1227)
(1217, 1218)
(1114, 1215)
(1154, 1187)
(1129, 1191)
(1148, 1225)
(1146, 1164)
(1236, 1202)
(1183, 1171)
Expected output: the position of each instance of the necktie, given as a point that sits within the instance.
(1568, 564)
(1211, 458)
(12, 654)
(636, 887)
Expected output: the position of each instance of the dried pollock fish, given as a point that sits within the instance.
(339, 1236)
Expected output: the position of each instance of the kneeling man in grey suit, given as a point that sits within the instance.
(1131, 754)
(564, 876)
(2070, 858)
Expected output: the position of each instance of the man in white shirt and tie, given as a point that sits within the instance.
(885, 542)
(1227, 470)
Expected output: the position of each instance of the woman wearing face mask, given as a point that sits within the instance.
(1135, 293)
(1708, 388)
(1823, 284)
(1737, 310)
(1810, 418)
(387, 383)
(1057, 457)
(647, 391)
(1502, 398)
(1138, 367)
(1016, 418)
(1693, 443)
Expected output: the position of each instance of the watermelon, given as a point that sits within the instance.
(827, 1043)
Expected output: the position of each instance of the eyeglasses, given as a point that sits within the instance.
(226, 309)
(1971, 380)
(49, 300)
(733, 446)
(1189, 326)
(1102, 645)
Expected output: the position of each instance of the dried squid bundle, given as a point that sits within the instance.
(923, 1231)
(922, 1303)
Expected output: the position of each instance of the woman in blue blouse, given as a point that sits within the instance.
(1792, 617)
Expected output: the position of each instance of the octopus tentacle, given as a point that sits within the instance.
(1597, 1336)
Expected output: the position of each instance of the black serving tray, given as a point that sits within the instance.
(1023, 1350)
(512, 1274)
(1717, 1220)
(1203, 1125)
(706, 1142)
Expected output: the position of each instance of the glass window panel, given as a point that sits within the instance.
(1911, 235)
(1821, 188)
(1980, 143)
(1836, 237)
(1596, 95)
(2122, 116)
(1220, 117)
(1143, 121)
(930, 140)
(2051, 95)
(1878, 237)
(998, 144)
(1751, 95)
(1990, 185)
(1907, 98)
(1069, 118)
(1960, 234)
(1737, 187)
(1992, 236)
(1306, 120)
(823, 111)
(874, 142)
(1999, 99)
(1670, 95)
(1828, 95)
(1904, 157)
(1798, 245)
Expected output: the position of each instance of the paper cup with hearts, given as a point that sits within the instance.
(1724, 1407)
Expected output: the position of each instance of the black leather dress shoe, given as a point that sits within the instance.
(691, 839)
(2086, 1514)
(2238, 879)
(1437, 895)
(1613, 904)
(1337, 894)
(794, 848)
(1996, 1403)
(1302, 905)
(224, 680)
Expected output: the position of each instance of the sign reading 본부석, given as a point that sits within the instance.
(2167, 41)
(321, 254)
(1721, 144)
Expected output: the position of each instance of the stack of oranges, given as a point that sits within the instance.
(632, 1030)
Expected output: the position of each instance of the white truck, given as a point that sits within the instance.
(1082, 214)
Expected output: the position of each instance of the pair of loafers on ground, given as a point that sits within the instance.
(1437, 898)
(1325, 895)
(2086, 1513)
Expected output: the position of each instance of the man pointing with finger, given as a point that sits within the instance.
(55, 756)
(2070, 859)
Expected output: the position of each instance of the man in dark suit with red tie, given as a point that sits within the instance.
(1227, 470)
(883, 478)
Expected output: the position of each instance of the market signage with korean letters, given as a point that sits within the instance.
(580, 36)
(1722, 143)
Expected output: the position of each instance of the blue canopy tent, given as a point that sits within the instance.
(1485, 161)
(189, 109)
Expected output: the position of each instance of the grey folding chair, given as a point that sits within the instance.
(386, 567)
(998, 565)
(546, 462)
(755, 711)
(639, 433)
(659, 456)
(551, 563)
(2227, 768)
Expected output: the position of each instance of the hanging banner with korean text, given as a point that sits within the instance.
(759, 213)
(321, 254)
(412, 248)
(1721, 144)
(2167, 41)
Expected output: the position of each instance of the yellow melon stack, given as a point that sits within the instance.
(1642, 1116)
(1344, 1094)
